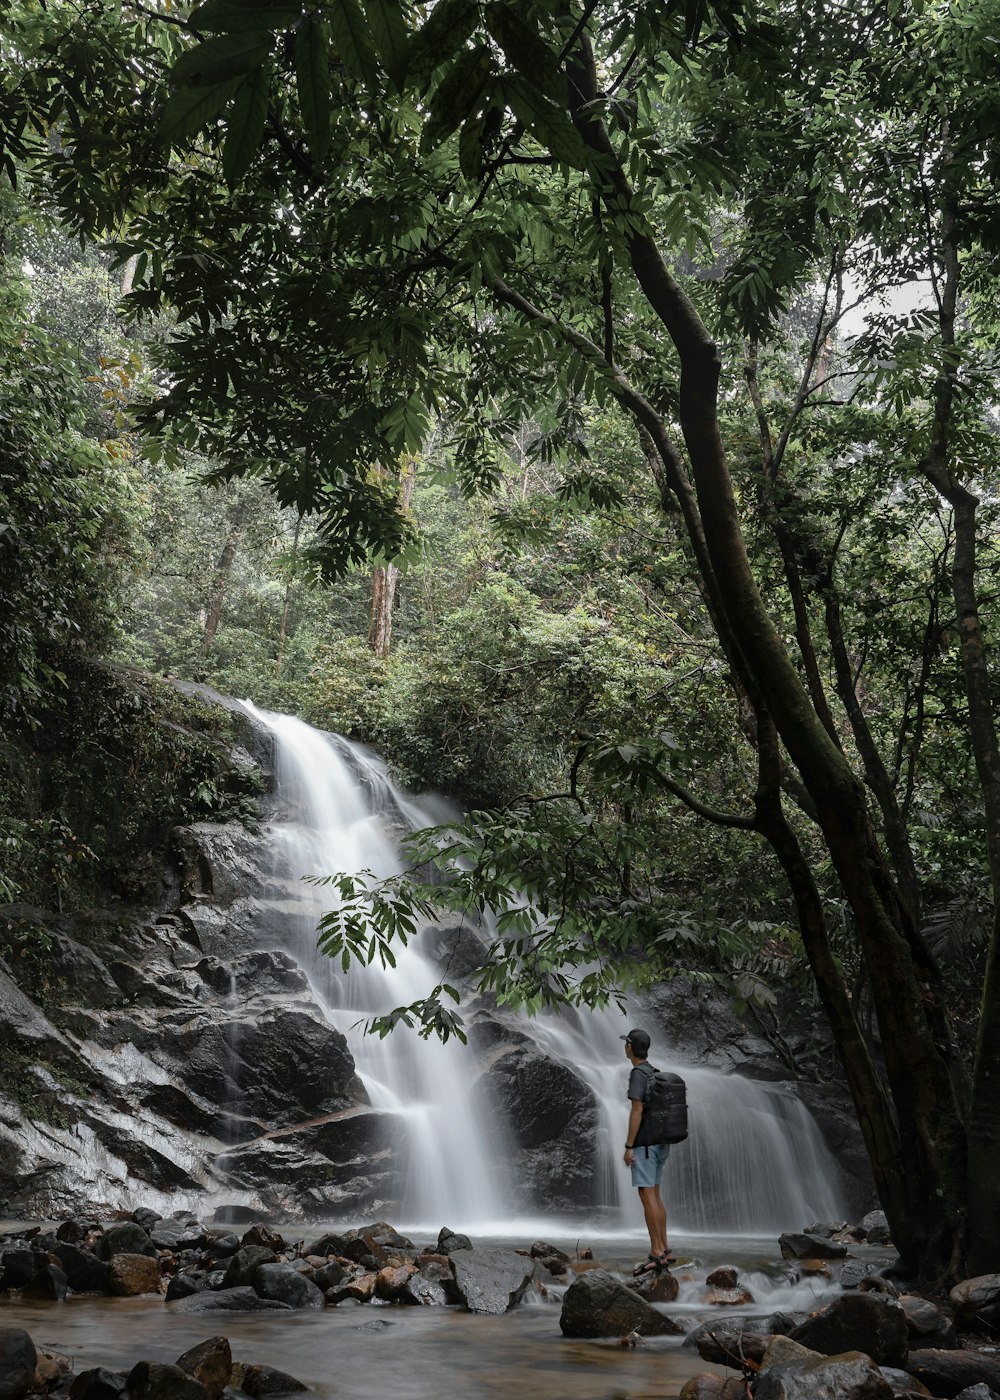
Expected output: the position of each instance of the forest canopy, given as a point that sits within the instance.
(655, 344)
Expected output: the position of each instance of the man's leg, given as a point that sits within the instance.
(655, 1213)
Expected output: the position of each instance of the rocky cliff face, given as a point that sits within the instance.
(173, 1056)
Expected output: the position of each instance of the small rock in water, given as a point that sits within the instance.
(449, 1241)
(656, 1287)
(729, 1297)
(50, 1282)
(227, 1300)
(492, 1280)
(598, 1304)
(805, 1246)
(210, 1363)
(711, 1387)
(152, 1380)
(541, 1250)
(723, 1277)
(97, 1384)
(286, 1285)
(264, 1238)
(259, 1381)
(132, 1274)
(127, 1238)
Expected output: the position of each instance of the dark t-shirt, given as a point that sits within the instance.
(638, 1088)
(638, 1083)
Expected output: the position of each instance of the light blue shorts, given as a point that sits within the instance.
(648, 1164)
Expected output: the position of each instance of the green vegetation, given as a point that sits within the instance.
(655, 346)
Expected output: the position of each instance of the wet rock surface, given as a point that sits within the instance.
(598, 1304)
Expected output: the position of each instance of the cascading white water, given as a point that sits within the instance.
(755, 1161)
(339, 814)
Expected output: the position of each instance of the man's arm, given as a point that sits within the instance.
(634, 1119)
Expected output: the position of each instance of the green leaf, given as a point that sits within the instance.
(470, 149)
(312, 76)
(245, 128)
(526, 50)
(353, 40)
(447, 27)
(236, 16)
(190, 110)
(388, 28)
(457, 95)
(228, 56)
(550, 126)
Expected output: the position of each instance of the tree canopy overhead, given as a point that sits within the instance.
(368, 217)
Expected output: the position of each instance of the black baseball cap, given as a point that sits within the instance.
(639, 1041)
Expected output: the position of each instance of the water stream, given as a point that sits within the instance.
(755, 1162)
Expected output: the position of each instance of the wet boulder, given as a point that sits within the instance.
(259, 1381)
(49, 1283)
(240, 1269)
(97, 1384)
(222, 1246)
(728, 1343)
(553, 1118)
(210, 1363)
(17, 1267)
(789, 1371)
(449, 1241)
(977, 1303)
(903, 1385)
(490, 1280)
(660, 1286)
(228, 1300)
(177, 1234)
(329, 1275)
(800, 1245)
(286, 1285)
(283, 1066)
(424, 1291)
(263, 1237)
(85, 1272)
(153, 1380)
(133, 1274)
(708, 1386)
(127, 1238)
(875, 1227)
(926, 1324)
(723, 1277)
(391, 1281)
(947, 1373)
(863, 1322)
(185, 1286)
(18, 1359)
(598, 1304)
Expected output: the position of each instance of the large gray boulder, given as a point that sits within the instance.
(242, 1266)
(84, 1271)
(598, 1304)
(553, 1119)
(927, 1325)
(152, 1380)
(287, 1285)
(977, 1302)
(789, 1371)
(126, 1238)
(210, 1363)
(18, 1359)
(801, 1245)
(865, 1322)
(490, 1280)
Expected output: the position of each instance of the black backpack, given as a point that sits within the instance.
(664, 1109)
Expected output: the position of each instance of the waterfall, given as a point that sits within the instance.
(755, 1161)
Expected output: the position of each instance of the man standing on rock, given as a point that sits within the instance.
(646, 1158)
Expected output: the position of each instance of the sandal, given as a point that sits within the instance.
(648, 1266)
(665, 1260)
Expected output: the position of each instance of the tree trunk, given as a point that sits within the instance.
(384, 579)
(222, 571)
(930, 1214)
(279, 659)
(386, 576)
